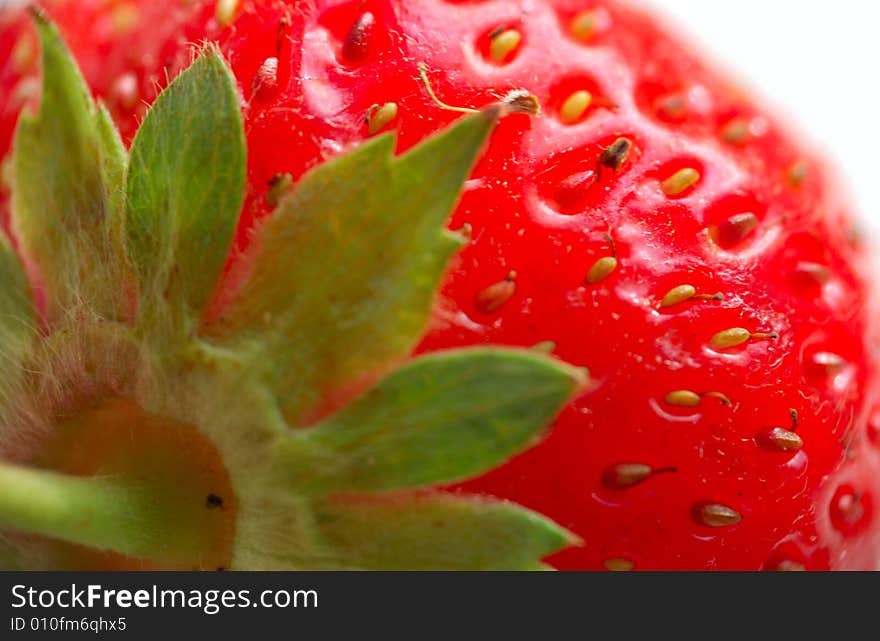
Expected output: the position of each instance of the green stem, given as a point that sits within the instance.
(101, 512)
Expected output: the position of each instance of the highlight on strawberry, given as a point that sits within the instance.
(374, 284)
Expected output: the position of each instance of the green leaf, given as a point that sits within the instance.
(440, 418)
(436, 532)
(185, 190)
(68, 168)
(344, 274)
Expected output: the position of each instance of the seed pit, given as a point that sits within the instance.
(358, 32)
(734, 221)
(680, 178)
(575, 98)
(850, 509)
(501, 44)
(575, 181)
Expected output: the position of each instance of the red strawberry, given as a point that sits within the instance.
(652, 224)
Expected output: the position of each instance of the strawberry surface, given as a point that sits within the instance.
(696, 446)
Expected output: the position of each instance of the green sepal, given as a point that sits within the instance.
(440, 418)
(18, 329)
(17, 315)
(185, 190)
(67, 187)
(343, 275)
(436, 531)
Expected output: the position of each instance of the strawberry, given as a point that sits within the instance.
(652, 224)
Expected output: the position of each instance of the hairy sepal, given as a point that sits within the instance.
(68, 168)
(343, 276)
(184, 193)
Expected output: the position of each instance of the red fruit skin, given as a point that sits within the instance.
(815, 507)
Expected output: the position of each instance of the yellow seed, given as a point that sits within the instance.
(790, 566)
(583, 25)
(785, 440)
(618, 565)
(226, 11)
(378, 117)
(680, 181)
(716, 515)
(678, 294)
(737, 336)
(736, 131)
(503, 44)
(601, 269)
(575, 106)
(730, 338)
(124, 17)
(682, 398)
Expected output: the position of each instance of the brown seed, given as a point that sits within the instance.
(623, 475)
(797, 173)
(503, 44)
(583, 25)
(735, 229)
(356, 45)
(783, 439)
(377, 117)
(618, 565)
(819, 274)
(715, 515)
(601, 269)
(680, 181)
(735, 132)
(494, 296)
(616, 154)
(671, 107)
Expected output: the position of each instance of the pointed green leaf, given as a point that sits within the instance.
(440, 418)
(436, 532)
(344, 274)
(185, 189)
(68, 168)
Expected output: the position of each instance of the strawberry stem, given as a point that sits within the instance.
(108, 513)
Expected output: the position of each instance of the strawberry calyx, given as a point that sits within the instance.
(284, 427)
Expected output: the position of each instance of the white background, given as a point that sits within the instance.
(818, 62)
